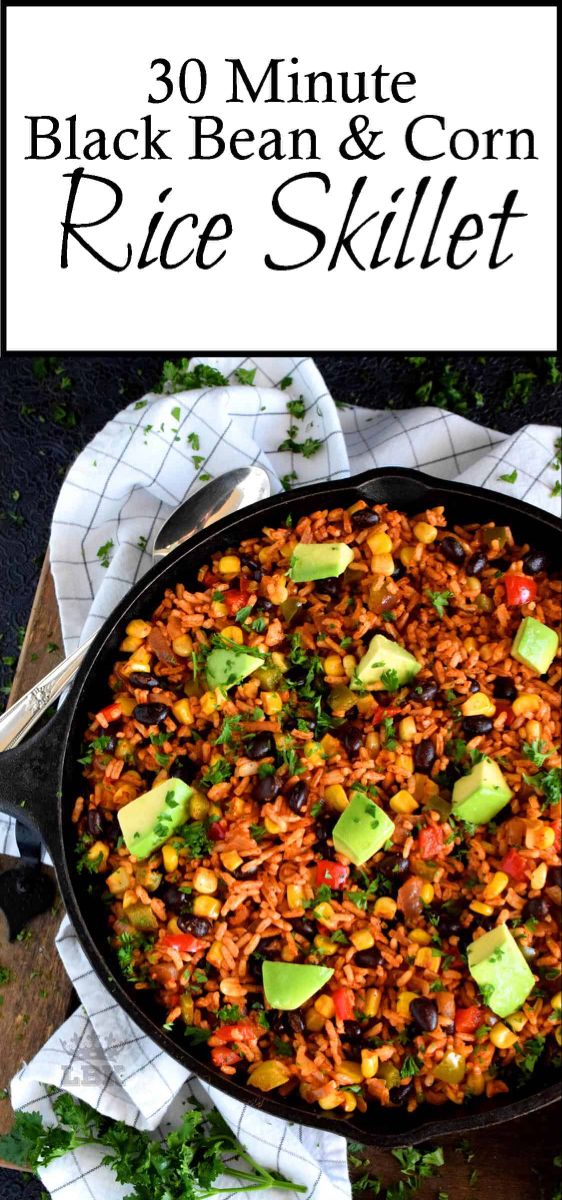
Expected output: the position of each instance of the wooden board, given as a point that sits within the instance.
(512, 1162)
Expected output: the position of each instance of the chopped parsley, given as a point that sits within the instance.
(440, 601)
(194, 837)
(548, 783)
(229, 1014)
(510, 478)
(217, 772)
(390, 680)
(389, 731)
(296, 408)
(104, 552)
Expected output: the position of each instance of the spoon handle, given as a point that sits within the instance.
(22, 715)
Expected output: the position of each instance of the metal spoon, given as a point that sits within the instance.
(223, 496)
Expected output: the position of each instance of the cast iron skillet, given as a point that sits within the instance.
(43, 774)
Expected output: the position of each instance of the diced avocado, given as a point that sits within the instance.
(224, 667)
(500, 970)
(147, 822)
(478, 796)
(385, 655)
(362, 829)
(142, 918)
(535, 645)
(289, 985)
(319, 560)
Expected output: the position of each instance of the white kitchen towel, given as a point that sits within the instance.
(117, 494)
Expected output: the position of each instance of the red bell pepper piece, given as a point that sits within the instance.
(503, 706)
(468, 1020)
(111, 713)
(234, 600)
(209, 579)
(431, 841)
(519, 589)
(514, 865)
(217, 831)
(343, 1004)
(185, 943)
(334, 874)
(240, 1031)
(225, 1056)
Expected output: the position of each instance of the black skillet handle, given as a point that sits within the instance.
(404, 488)
(28, 787)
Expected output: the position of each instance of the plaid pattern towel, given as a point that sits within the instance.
(121, 488)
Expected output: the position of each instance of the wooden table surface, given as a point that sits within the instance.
(508, 1162)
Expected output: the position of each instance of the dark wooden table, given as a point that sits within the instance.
(508, 1162)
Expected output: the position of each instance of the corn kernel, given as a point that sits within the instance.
(325, 946)
(288, 547)
(469, 644)
(428, 958)
(183, 645)
(538, 877)
(349, 1102)
(425, 533)
(99, 850)
(556, 1001)
(478, 705)
(475, 1083)
(385, 908)
(313, 1020)
(427, 892)
(295, 895)
(198, 806)
(335, 797)
(366, 705)
(350, 1070)
(372, 1002)
(234, 634)
(403, 1002)
(182, 711)
(330, 745)
(325, 1006)
(214, 954)
(333, 665)
(501, 1037)
(420, 936)
(170, 858)
(382, 564)
(271, 703)
(207, 906)
(408, 555)
(403, 802)
(379, 543)
(231, 860)
(313, 753)
(208, 703)
(538, 836)
(404, 763)
(126, 703)
(326, 914)
(349, 664)
(407, 729)
(533, 730)
(485, 910)
(363, 939)
(137, 662)
(218, 609)
(473, 586)
(229, 564)
(138, 629)
(278, 826)
(373, 742)
(369, 1063)
(496, 886)
(526, 702)
(130, 643)
(332, 1100)
(172, 925)
(205, 881)
(517, 1021)
(214, 812)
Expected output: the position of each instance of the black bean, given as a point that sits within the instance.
(296, 1022)
(486, 923)
(245, 871)
(266, 788)
(254, 569)
(393, 867)
(424, 755)
(449, 922)
(534, 562)
(504, 688)
(350, 737)
(200, 927)
(307, 929)
(472, 726)
(143, 679)
(264, 604)
(254, 965)
(398, 573)
(330, 586)
(476, 563)
(364, 518)
(261, 746)
(324, 824)
(554, 877)
(401, 1093)
(296, 676)
(95, 823)
(475, 686)
(172, 897)
(370, 959)
(424, 693)
(452, 549)
(424, 1013)
(297, 795)
(185, 769)
(500, 564)
(150, 714)
(110, 744)
(354, 1031)
(536, 909)
(112, 827)
(385, 698)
